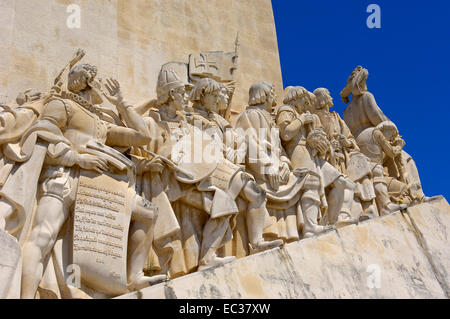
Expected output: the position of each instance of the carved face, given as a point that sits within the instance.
(179, 97)
(82, 79)
(223, 99)
(323, 100)
(302, 104)
(271, 99)
(78, 78)
(210, 101)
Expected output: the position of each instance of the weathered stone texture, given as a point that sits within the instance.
(130, 40)
(410, 250)
(10, 266)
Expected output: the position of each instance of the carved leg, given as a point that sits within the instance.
(311, 211)
(369, 210)
(139, 243)
(343, 193)
(385, 206)
(255, 217)
(50, 217)
(213, 233)
(310, 205)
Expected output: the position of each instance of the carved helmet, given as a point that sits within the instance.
(167, 80)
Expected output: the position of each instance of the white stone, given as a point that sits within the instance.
(10, 266)
(336, 264)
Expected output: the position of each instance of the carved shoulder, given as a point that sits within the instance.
(57, 111)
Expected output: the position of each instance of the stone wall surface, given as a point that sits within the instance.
(10, 266)
(130, 40)
(409, 251)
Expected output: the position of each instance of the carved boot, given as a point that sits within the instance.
(345, 219)
(255, 227)
(141, 281)
(392, 208)
(213, 235)
(212, 260)
(311, 210)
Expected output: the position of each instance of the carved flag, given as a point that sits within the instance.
(219, 65)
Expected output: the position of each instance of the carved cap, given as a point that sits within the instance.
(167, 80)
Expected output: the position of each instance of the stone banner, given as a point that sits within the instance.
(101, 223)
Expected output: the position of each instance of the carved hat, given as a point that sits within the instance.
(168, 80)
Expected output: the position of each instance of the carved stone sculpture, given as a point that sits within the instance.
(189, 180)
(134, 195)
(206, 96)
(79, 148)
(287, 196)
(15, 121)
(305, 142)
(343, 143)
(363, 113)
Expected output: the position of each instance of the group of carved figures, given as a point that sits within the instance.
(318, 172)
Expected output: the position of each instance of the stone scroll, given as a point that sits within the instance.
(100, 237)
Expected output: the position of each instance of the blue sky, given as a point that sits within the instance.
(408, 59)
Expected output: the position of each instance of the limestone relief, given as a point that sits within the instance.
(135, 195)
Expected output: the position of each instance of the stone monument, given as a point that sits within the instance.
(201, 170)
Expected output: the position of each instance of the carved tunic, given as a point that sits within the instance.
(78, 124)
(262, 135)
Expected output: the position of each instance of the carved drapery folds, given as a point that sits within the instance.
(137, 194)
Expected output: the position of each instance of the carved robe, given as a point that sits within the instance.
(265, 149)
(363, 113)
(234, 152)
(193, 202)
(300, 154)
(334, 126)
(14, 122)
(348, 159)
(71, 125)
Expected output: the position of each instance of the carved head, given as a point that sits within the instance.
(263, 93)
(389, 130)
(170, 89)
(224, 98)
(81, 78)
(356, 83)
(300, 98)
(206, 93)
(323, 99)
